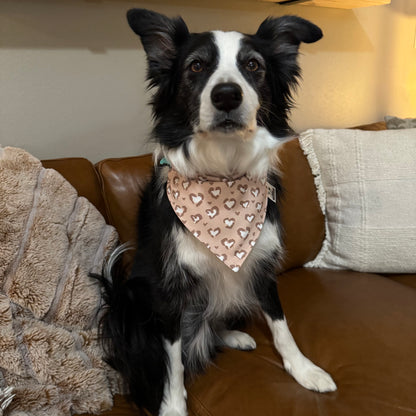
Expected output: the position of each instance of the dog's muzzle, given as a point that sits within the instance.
(227, 98)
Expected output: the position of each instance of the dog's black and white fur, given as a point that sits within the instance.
(220, 107)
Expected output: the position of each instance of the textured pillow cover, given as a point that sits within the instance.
(366, 185)
(50, 239)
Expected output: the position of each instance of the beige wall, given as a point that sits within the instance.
(72, 73)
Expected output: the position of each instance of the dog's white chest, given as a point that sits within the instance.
(227, 289)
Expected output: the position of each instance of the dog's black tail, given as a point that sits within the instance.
(130, 335)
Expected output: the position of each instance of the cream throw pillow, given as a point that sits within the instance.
(366, 185)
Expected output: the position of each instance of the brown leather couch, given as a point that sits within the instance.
(359, 327)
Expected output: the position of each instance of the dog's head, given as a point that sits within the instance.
(217, 84)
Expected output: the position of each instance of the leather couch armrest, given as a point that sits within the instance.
(123, 181)
(80, 173)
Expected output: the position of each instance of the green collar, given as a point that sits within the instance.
(164, 162)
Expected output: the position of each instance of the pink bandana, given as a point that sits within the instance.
(225, 215)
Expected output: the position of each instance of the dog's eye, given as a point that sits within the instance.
(196, 66)
(252, 65)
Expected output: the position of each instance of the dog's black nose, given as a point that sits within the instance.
(226, 96)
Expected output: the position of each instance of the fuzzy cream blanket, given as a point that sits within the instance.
(50, 239)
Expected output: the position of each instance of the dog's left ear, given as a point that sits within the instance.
(279, 39)
(287, 32)
(160, 36)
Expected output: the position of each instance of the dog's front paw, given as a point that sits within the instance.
(172, 409)
(311, 376)
(238, 340)
(172, 412)
(174, 405)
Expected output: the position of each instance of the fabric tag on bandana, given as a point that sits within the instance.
(227, 216)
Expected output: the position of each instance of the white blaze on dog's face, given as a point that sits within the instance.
(228, 102)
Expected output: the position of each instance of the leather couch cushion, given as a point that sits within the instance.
(302, 218)
(357, 326)
(405, 279)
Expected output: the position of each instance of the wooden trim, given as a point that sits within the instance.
(340, 4)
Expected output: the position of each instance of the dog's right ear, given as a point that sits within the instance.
(160, 37)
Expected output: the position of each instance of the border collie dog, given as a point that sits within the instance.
(209, 240)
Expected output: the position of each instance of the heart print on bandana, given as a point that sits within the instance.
(225, 215)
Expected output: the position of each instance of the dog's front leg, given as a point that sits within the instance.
(174, 394)
(301, 368)
(304, 371)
